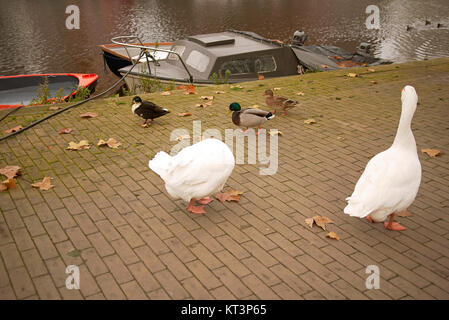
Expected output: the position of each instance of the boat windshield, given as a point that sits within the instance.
(259, 64)
(178, 49)
(198, 61)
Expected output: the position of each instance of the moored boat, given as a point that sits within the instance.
(22, 90)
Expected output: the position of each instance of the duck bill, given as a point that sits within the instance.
(228, 112)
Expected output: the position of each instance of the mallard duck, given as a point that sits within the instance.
(248, 117)
(391, 179)
(147, 110)
(279, 102)
(195, 172)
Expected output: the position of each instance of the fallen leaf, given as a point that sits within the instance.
(260, 77)
(16, 128)
(65, 131)
(337, 57)
(371, 70)
(184, 114)
(111, 143)
(404, 213)
(165, 93)
(204, 105)
(309, 121)
(352, 75)
(333, 235)
(322, 221)
(276, 89)
(231, 195)
(181, 87)
(373, 82)
(89, 115)
(300, 93)
(74, 253)
(431, 152)
(54, 108)
(190, 90)
(275, 132)
(207, 97)
(10, 171)
(44, 185)
(83, 144)
(144, 125)
(348, 64)
(183, 137)
(9, 183)
(309, 222)
(220, 92)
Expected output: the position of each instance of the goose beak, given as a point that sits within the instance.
(228, 112)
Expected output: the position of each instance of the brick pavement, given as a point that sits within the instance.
(136, 243)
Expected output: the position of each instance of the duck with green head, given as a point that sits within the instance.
(248, 117)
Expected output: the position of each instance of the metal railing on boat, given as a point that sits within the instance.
(145, 49)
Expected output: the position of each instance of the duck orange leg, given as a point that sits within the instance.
(370, 219)
(195, 209)
(205, 200)
(285, 112)
(245, 131)
(258, 130)
(395, 226)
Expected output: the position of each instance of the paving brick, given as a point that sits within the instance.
(93, 262)
(109, 287)
(34, 226)
(11, 256)
(131, 237)
(205, 256)
(231, 262)
(133, 291)
(261, 290)
(85, 223)
(171, 285)
(159, 294)
(232, 282)
(78, 238)
(46, 288)
(291, 279)
(101, 245)
(144, 277)
(321, 286)
(181, 251)
(176, 267)
(260, 254)
(22, 239)
(21, 283)
(34, 263)
(196, 290)
(232, 246)
(7, 293)
(57, 268)
(150, 260)
(55, 231)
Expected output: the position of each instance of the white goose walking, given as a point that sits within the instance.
(391, 179)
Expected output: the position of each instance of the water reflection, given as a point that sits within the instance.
(34, 38)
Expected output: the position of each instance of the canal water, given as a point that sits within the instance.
(34, 37)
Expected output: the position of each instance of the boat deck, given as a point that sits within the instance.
(135, 242)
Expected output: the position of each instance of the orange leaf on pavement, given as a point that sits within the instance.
(16, 128)
(333, 235)
(231, 195)
(89, 115)
(431, 152)
(44, 185)
(10, 171)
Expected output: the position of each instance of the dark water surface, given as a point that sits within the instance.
(34, 38)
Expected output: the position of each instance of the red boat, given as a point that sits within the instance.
(21, 90)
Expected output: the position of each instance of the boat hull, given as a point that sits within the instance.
(21, 90)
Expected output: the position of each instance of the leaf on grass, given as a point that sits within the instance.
(184, 114)
(371, 70)
(309, 222)
(89, 115)
(44, 185)
(348, 64)
(165, 93)
(111, 143)
(352, 75)
(404, 213)
(83, 144)
(276, 89)
(65, 131)
(373, 82)
(333, 235)
(74, 253)
(275, 132)
(309, 121)
(54, 108)
(204, 105)
(10, 171)
(260, 77)
(322, 221)
(220, 92)
(231, 195)
(300, 93)
(190, 90)
(236, 87)
(15, 129)
(207, 97)
(431, 152)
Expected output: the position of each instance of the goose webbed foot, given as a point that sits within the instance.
(195, 209)
(205, 200)
(395, 226)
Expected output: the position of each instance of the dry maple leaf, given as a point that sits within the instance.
(190, 90)
(404, 213)
(54, 108)
(89, 115)
(83, 144)
(352, 75)
(231, 195)
(333, 235)
(276, 89)
(204, 105)
(9, 183)
(373, 82)
(431, 152)
(275, 132)
(300, 93)
(309, 222)
(219, 92)
(10, 171)
(111, 143)
(337, 57)
(44, 185)
(371, 70)
(260, 77)
(184, 114)
(15, 129)
(322, 221)
(207, 97)
(165, 93)
(65, 131)
(309, 121)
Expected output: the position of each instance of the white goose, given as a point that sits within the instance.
(391, 179)
(195, 172)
